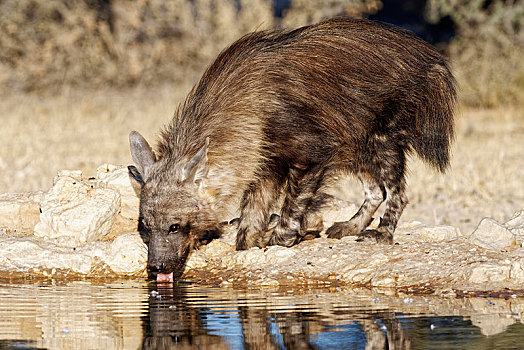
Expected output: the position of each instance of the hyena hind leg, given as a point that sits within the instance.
(374, 195)
(395, 204)
(392, 173)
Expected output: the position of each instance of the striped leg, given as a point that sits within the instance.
(301, 189)
(392, 168)
(395, 204)
(374, 195)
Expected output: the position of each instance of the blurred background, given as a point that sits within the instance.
(121, 43)
(76, 76)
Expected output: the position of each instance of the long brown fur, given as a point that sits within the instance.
(285, 110)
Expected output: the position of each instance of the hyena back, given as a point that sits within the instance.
(277, 114)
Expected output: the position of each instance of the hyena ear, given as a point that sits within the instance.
(196, 169)
(142, 155)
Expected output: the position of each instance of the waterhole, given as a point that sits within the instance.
(134, 314)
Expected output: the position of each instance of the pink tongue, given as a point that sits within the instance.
(163, 277)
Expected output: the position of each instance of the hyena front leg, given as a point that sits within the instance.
(255, 212)
(301, 189)
(374, 195)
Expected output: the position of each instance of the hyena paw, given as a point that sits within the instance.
(284, 238)
(374, 235)
(342, 229)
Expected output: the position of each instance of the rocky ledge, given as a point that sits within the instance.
(87, 227)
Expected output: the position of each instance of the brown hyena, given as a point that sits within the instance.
(277, 114)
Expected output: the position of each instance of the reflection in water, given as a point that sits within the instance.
(73, 315)
(173, 322)
(135, 314)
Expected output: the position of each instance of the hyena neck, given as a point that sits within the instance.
(224, 191)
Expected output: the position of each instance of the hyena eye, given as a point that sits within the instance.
(174, 228)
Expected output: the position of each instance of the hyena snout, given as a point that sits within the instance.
(156, 268)
(167, 254)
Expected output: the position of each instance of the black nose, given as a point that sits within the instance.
(155, 268)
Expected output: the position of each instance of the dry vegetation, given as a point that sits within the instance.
(52, 44)
(77, 78)
(488, 49)
(74, 130)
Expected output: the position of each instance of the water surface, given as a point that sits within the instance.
(135, 314)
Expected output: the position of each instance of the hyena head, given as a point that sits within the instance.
(174, 208)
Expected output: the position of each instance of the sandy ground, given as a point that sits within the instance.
(82, 130)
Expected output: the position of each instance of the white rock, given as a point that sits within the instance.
(489, 273)
(277, 255)
(361, 275)
(217, 248)
(516, 223)
(74, 174)
(421, 232)
(250, 257)
(20, 254)
(267, 282)
(440, 233)
(117, 178)
(383, 281)
(127, 254)
(20, 211)
(73, 208)
(229, 235)
(517, 272)
(491, 235)
(377, 259)
(95, 250)
(197, 260)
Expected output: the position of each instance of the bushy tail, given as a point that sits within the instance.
(434, 127)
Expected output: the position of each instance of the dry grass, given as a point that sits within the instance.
(75, 130)
(51, 44)
(82, 130)
(487, 49)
